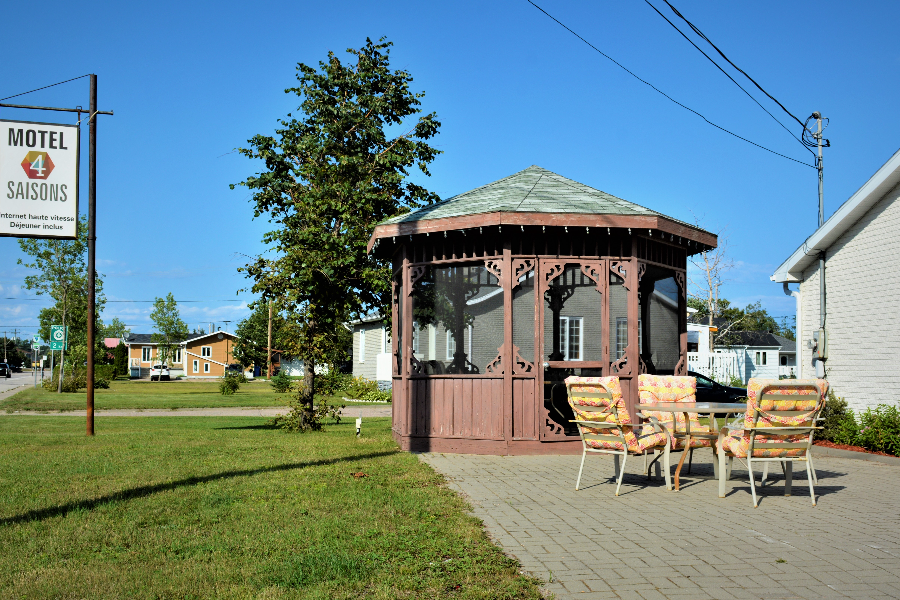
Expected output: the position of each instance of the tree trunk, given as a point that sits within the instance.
(309, 383)
(62, 354)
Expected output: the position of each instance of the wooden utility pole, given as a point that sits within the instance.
(269, 343)
(92, 241)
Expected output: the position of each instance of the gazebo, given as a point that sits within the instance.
(502, 292)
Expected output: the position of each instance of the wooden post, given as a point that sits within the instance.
(508, 358)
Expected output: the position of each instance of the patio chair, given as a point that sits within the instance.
(653, 389)
(778, 427)
(606, 427)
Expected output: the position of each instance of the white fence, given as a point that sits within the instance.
(721, 366)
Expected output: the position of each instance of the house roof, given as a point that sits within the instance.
(755, 338)
(111, 342)
(851, 211)
(786, 344)
(531, 197)
(147, 338)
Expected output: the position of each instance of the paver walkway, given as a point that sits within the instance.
(652, 544)
(235, 411)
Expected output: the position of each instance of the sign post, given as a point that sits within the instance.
(38, 203)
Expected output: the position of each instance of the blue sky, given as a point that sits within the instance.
(190, 82)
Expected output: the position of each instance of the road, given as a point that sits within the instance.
(17, 379)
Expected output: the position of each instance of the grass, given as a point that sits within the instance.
(228, 508)
(159, 395)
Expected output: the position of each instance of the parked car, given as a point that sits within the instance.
(16, 368)
(159, 373)
(5, 370)
(713, 391)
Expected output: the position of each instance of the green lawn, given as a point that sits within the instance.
(228, 508)
(146, 394)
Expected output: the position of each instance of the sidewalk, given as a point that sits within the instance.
(349, 412)
(650, 544)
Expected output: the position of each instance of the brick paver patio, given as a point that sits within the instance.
(652, 544)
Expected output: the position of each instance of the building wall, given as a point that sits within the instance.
(221, 352)
(374, 346)
(863, 308)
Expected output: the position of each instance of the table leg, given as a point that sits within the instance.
(684, 453)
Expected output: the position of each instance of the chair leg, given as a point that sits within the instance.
(668, 468)
(580, 469)
(615, 465)
(812, 467)
(788, 466)
(715, 464)
(690, 460)
(621, 471)
(752, 483)
(810, 474)
(645, 461)
(656, 468)
(762, 480)
(728, 470)
(723, 471)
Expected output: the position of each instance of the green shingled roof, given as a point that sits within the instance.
(534, 190)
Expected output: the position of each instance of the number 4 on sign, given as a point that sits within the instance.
(38, 165)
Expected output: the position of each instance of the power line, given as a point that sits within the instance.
(722, 54)
(675, 27)
(43, 88)
(151, 301)
(618, 64)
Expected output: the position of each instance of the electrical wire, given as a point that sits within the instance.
(675, 27)
(618, 64)
(44, 88)
(722, 54)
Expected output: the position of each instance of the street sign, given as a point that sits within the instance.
(39, 178)
(36, 338)
(59, 337)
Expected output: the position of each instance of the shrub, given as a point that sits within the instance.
(376, 396)
(229, 385)
(107, 372)
(358, 387)
(300, 420)
(281, 382)
(879, 429)
(332, 382)
(101, 384)
(834, 413)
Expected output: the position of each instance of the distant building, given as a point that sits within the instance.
(199, 356)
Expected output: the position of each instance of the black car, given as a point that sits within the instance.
(712, 391)
(5, 370)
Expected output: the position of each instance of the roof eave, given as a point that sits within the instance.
(851, 211)
(650, 222)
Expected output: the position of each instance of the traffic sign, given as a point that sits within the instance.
(36, 338)
(59, 337)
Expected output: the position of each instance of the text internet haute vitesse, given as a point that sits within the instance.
(36, 138)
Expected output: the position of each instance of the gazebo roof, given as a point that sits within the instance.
(536, 196)
(534, 190)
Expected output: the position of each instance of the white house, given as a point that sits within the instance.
(372, 350)
(861, 293)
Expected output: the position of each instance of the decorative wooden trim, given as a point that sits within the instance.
(620, 268)
(621, 367)
(642, 366)
(552, 273)
(642, 268)
(681, 367)
(520, 365)
(415, 273)
(594, 271)
(416, 367)
(495, 266)
(495, 367)
(521, 267)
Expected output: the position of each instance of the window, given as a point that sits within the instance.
(415, 340)
(764, 357)
(784, 361)
(196, 366)
(206, 351)
(146, 353)
(757, 358)
(206, 367)
(362, 345)
(451, 345)
(176, 356)
(570, 338)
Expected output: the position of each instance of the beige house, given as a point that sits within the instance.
(201, 355)
(861, 299)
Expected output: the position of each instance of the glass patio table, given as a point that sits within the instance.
(710, 409)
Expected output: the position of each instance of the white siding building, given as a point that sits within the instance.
(861, 241)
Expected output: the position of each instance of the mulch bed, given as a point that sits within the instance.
(848, 447)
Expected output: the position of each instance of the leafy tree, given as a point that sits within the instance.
(731, 319)
(253, 336)
(331, 174)
(120, 362)
(115, 328)
(171, 330)
(62, 275)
